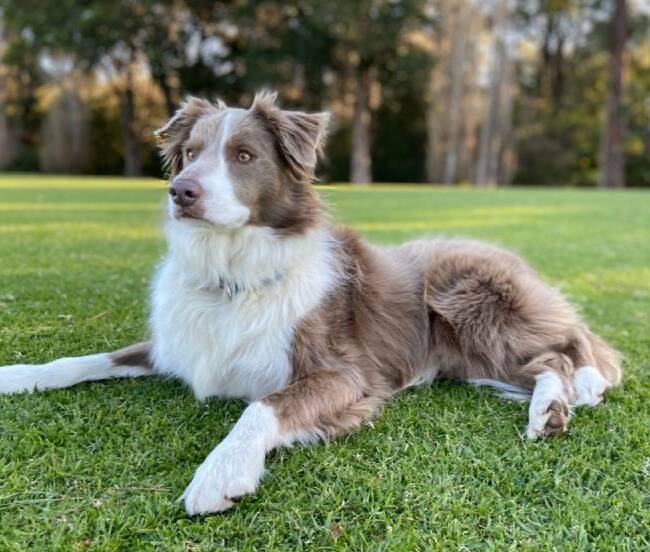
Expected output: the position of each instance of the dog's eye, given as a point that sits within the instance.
(244, 157)
(190, 155)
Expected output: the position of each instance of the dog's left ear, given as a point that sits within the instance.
(300, 137)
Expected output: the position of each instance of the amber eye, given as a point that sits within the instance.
(244, 157)
(190, 155)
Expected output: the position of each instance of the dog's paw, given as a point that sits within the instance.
(589, 387)
(230, 471)
(552, 421)
(558, 418)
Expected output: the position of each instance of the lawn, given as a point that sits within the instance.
(99, 466)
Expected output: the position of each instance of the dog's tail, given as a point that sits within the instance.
(594, 351)
(503, 389)
(132, 361)
(588, 350)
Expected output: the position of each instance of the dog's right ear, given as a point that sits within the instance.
(300, 137)
(171, 137)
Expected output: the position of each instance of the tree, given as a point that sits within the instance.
(20, 80)
(496, 124)
(65, 131)
(116, 38)
(451, 109)
(560, 90)
(612, 157)
(365, 38)
(514, 84)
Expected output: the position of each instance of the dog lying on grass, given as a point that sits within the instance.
(259, 297)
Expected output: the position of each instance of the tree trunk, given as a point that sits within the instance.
(612, 156)
(471, 108)
(490, 147)
(439, 93)
(9, 144)
(434, 117)
(169, 96)
(361, 160)
(130, 142)
(507, 160)
(457, 77)
(160, 77)
(433, 138)
(453, 96)
(64, 145)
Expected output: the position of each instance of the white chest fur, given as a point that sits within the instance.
(239, 346)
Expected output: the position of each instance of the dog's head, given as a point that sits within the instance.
(235, 167)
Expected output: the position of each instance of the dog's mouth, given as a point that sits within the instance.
(189, 216)
(188, 213)
(195, 219)
(197, 214)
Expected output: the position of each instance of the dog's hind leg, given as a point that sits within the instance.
(549, 409)
(589, 386)
(64, 372)
(598, 367)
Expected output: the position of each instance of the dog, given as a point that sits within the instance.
(261, 298)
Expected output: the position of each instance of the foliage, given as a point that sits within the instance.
(315, 54)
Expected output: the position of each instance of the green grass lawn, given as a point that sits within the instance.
(99, 466)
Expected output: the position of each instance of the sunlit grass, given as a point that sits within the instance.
(99, 466)
(30, 182)
(88, 206)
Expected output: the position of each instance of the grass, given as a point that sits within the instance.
(99, 466)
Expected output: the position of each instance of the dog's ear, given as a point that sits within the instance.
(300, 137)
(171, 137)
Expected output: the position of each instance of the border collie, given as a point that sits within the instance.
(260, 298)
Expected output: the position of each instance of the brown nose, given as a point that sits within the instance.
(185, 191)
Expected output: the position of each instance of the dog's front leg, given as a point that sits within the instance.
(305, 410)
(130, 362)
(235, 467)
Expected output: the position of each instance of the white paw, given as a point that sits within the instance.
(231, 470)
(588, 387)
(553, 421)
(536, 425)
(548, 413)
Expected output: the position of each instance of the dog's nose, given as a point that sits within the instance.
(185, 191)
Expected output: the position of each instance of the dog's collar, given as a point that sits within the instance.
(232, 288)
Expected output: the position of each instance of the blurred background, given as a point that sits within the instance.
(492, 92)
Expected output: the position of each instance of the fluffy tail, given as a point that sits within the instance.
(596, 367)
(596, 352)
(503, 389)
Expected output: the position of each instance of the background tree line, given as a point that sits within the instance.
(489, 92)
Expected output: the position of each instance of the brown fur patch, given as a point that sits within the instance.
(276, 199)
(299, 137)
(455, 309)
(366, 341)
(134, 355)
